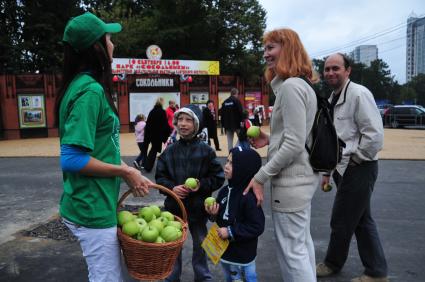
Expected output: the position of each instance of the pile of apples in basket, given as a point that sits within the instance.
(150, 225)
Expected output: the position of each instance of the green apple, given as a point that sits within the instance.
(156, 210)
(159, 240)
(131, 228)
(146, 213)
(170, 233)
(163, 219)
(253, 132)
(191, 183)
(142, 223)
(149, 234)
(176, 224)
(124, 217)
(168, 215)
(209, 201)
(157, 223)
(327, 187)
(179, 234)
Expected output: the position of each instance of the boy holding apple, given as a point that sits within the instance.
(189, 157)
(238, 216)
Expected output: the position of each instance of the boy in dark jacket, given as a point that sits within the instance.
(189, 157)
(239, 218)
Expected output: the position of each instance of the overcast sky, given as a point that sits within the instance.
(339, 26)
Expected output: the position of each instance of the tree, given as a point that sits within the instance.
(417, 84)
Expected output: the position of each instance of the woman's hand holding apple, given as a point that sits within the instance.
(260, 141)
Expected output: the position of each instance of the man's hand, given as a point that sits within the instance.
(258, 190)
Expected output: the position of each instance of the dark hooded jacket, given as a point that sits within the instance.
(189, 158)
(244, 218)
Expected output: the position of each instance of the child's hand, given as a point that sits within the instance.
(198, 185)
(223, 233)
(212, 209)
(181, 191)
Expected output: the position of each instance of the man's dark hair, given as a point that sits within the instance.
(347, 60)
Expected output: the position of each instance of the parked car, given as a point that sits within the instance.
(404, 115)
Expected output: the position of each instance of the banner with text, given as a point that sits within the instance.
(179, 67)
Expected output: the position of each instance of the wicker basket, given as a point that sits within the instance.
(152, 261)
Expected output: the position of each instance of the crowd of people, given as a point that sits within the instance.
(92, 167)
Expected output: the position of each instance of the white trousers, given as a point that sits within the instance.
(295, 250)
(101, 250)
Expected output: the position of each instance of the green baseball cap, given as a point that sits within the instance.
(83, 31)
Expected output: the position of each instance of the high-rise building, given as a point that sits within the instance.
(415, 46)
(365, 54)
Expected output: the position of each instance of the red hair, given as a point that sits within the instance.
(293, 59)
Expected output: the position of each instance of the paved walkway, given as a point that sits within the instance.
(399, 144)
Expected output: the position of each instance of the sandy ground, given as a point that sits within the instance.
(399, 144)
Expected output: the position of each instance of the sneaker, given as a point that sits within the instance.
(322, 270)
(366, 278)
(136, 165)
(218, 149)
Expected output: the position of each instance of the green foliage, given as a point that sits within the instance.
(223, 30)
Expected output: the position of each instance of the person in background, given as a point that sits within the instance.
(190, 157)
(357, 123)
(240, 220)
(210, 122)
(170, 113)
(231, 116)
(242, 133)
(139, 131)
(157, 132)
(90, 146)
(293, 181)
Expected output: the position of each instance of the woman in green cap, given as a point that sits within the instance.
(90, 150)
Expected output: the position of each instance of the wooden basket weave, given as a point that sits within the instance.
(152, 261)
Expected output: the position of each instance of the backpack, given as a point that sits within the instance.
(326, 149)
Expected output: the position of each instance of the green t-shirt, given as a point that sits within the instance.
(87, 120)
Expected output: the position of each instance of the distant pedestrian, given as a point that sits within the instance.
(89, 132)
(210, 122)
(358, 123)
(170, 113)
(231, 116)
(157, 132)
(139, 131)
(240, 220)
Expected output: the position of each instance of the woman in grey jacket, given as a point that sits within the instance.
(293, 180)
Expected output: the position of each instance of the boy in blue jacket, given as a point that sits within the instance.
(239, 218)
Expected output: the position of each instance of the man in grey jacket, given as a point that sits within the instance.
(359, 125)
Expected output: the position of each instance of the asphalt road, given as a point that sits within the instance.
(30, 189)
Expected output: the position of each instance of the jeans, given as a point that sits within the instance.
(198, 231)
(233, 273)
(140, 156)
(101, 250)
(351, 214)
(295, 249)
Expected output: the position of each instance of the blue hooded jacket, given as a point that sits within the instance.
(240, 213)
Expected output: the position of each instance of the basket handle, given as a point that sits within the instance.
(163, 189)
